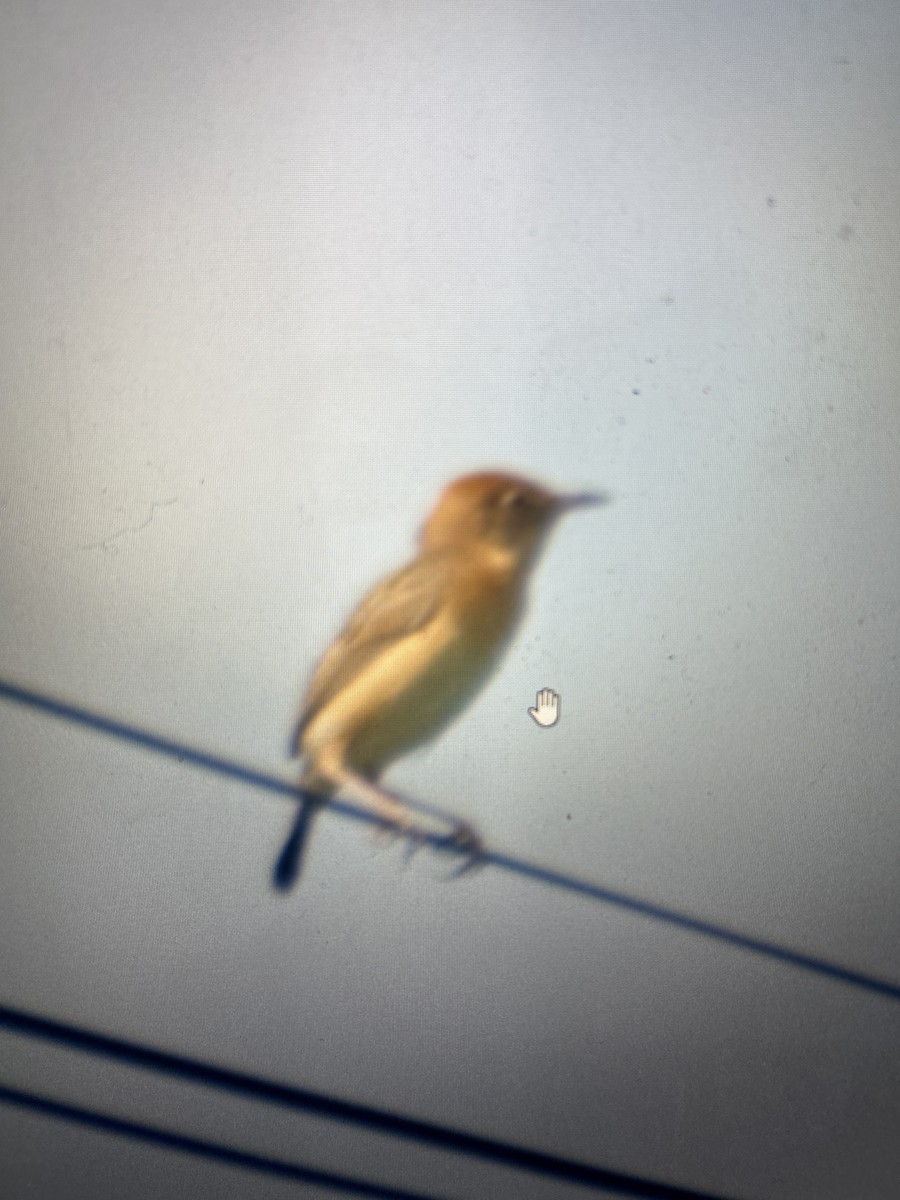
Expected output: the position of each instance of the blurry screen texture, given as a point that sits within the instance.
(273, 274)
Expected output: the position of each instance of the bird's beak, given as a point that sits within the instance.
(565, 504)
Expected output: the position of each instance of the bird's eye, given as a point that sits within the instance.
(513, 499)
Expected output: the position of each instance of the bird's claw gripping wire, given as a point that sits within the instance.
(462, 840)
(415, 837)
(465, 841)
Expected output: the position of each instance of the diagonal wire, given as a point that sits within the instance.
(202, 1148)
(440, 1137)
(272, 783)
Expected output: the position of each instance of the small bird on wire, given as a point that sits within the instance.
(415, 651)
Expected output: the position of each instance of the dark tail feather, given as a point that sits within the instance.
(290, 861)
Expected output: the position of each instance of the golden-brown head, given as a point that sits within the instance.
(497, 511)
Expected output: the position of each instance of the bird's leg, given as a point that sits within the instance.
(458, 836)
(395, 813)
(391, 811)
(462, 838)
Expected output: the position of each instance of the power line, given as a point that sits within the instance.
(440, 1137)
(272, 783)
(203, 1149)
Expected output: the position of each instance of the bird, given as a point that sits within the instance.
(414, 653)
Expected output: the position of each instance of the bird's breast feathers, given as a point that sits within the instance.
(417, 683)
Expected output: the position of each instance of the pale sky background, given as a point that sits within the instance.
(270, 275)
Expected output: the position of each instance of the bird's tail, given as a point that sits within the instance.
(289, 863)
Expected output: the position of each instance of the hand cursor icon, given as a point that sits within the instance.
(546, 709)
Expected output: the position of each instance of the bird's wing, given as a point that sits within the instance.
(399, 605)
